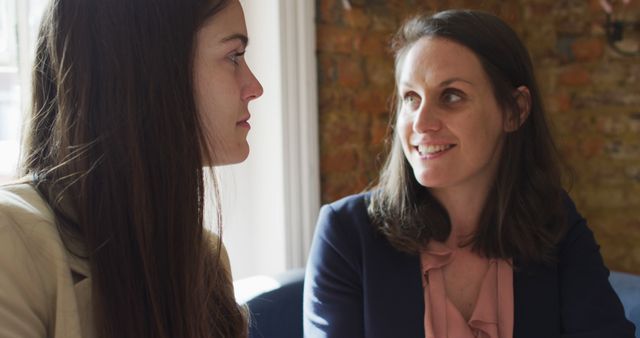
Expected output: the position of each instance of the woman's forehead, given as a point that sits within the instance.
(436, 60)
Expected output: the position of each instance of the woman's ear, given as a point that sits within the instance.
(523, 102)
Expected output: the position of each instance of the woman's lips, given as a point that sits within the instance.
(244, 122)
(429, 151)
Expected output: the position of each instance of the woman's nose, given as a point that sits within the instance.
(253, 89)
(427, 119)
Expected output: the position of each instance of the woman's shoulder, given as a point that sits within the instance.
(21, 196)
(28, 231)
(22, 206)
(26, 221)
(351, 205)
(578, 240)
(32, 258)
(25, 217)
(349, 210)
(346, 222)
(576, 225)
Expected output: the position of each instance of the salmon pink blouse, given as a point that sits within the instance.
(493, 314)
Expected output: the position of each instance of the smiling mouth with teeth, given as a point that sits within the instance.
(425, 150)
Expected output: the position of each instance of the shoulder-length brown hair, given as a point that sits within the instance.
(523, 216)
(116, 148)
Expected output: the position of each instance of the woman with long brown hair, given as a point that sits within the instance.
(134, 102)
(468, 232)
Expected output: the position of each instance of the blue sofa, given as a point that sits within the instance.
(275, 303)
(628, 288)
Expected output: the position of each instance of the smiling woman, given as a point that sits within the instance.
(449, 123)
(468, 232)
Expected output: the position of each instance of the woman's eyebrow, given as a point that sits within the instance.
(237, 36)
(442, 84)
(452, 80)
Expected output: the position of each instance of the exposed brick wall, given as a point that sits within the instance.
(592, 95)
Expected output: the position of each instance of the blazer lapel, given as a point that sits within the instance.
(536, 301)
(394, 303)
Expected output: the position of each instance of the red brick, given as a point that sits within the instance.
(361, 181)
(350, 72)
(336, 39)
(326, 69)
(567, 149)
(510, 13)
(588, 49)
(561, 102)
(379, 130)
(329, 11)
(339, 161)
(371, 101)
(574, 76)
(337, 186)
(633, 226)
(343, 128)
(380, 70)
(384, 23)
(595, 7)
(333, 135)
(634, 123)
(539, 10)
(331, 99)
(357, 18)
(592, 146)
(610, 125)
(374, 43)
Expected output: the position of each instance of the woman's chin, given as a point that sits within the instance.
(236, 156)
(429, 180)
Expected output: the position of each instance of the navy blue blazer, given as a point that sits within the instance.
(358, 285)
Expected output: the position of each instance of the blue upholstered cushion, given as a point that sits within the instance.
(628, 288)
(275, 311)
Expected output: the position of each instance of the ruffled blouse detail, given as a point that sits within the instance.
(493, 315)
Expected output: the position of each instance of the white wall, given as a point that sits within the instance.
(271, 201)
(252, 192)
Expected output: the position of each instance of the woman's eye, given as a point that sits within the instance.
(451, 96)
(411, 100)
(235, 57)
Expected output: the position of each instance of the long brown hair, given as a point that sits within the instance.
(523, 216)
(116, 147)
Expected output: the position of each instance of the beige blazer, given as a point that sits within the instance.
(44, 290)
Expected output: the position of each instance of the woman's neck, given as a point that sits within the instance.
(464, 209)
